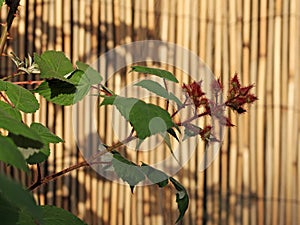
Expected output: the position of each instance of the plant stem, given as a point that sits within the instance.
(54, 176)
(40, 181)
(30, 82)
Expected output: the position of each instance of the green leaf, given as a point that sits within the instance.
(17, 127)
(57, 91)
(18, 197)
(182, 198)
(64, 93)
(1, 2)
(8, 213)
(191, 130)
(175, 99)
(46, 135)
(167, 140)
(154, 71)
(58, 216)
(127, 170)
(22, 98)
(10, 154)
(147, 119)
(91, 75)
(155, 176)
(54, 64)
(173, 133)
(154, 87)
(158, 89)
(3, 85)
(41, 155)
(9, 110)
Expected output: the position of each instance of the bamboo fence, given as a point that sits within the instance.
(256, 177)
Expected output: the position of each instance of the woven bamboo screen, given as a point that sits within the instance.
(256, 177)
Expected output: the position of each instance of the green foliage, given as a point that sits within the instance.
(58, 216)
(10, 111)
(155, 176)
(10, 154)
(16, 127)
(159, 90)
(54, 64)
(64, 85)
(17, 206)
(18, 198)
(182, 198)
(147, 119)
(154, 71)
(133, 174)
(47, 137)
(1, 2)
(22, 99)
(127, 170)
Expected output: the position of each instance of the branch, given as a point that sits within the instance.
(54, 176)
(41, 181)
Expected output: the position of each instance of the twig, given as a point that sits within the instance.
(40, 181)
(56, 175)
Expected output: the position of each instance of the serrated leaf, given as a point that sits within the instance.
(46, 135)
(54, 64)
(64, 93)
(147, 119)
(19, 198)
(22, 98)
(3, 85)
(9, 110)
(91, 75)
(58, 216)
(40, 155)
(182, 198)
(17, 127)
(10, 154)
(127, 170)
(155, 176)
(57, 91)
(154, 71)
(36, 152)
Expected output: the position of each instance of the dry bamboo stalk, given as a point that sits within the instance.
(240, 119)
(252, 113)
(293, 97)
(278, 116)
(289, 59)
(271, 162)
(233, 160)
(245, 141)
(38, 25)
(260, 111)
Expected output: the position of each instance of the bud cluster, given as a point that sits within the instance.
(238, 96)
